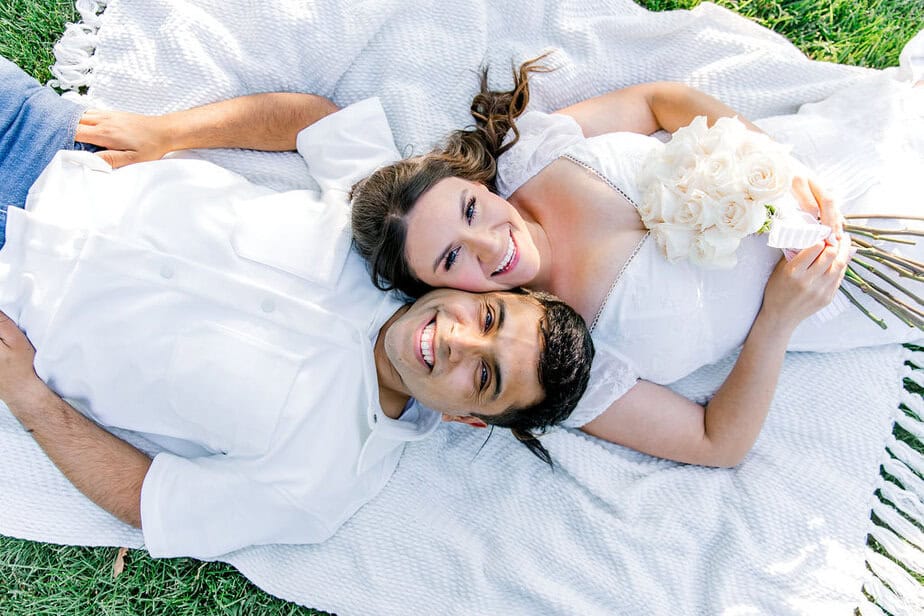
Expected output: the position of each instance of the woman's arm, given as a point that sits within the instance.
(653, 419)
(664, 105)
(646, 108)
(268, 121)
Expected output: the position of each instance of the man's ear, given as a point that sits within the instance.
(465, 419)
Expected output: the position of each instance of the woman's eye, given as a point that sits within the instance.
(484, 376)
(470, 210)
(451, 258)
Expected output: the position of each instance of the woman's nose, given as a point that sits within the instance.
(485, 246)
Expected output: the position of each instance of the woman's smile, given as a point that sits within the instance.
(510, 258)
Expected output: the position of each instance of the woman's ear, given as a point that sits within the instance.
(465, 419)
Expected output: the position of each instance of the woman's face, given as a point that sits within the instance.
(461, 235)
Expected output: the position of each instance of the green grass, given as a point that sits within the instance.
(29, 28)
(860, 32)
(54, 580)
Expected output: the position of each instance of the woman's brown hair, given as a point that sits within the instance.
(382, 201)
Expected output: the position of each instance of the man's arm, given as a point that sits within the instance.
(105, 468)
(268, 121)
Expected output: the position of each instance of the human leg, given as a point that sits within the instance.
(34, 124)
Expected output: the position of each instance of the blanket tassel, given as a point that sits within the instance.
(895, 549)
(74, 52)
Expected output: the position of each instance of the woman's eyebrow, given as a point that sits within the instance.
(442, 257)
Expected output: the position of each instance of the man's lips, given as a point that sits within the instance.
(425, 349)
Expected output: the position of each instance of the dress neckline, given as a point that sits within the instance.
(635, 251)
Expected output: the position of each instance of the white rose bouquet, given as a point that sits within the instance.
(710, 187)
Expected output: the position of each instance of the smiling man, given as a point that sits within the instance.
(234, 328)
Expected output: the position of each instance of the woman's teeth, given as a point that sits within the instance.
(426, 343)
(511, 250)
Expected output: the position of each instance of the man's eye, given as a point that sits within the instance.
(451, 258)
(484, 376)
(470, 210)
(488, 320)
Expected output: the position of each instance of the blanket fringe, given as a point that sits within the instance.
(895, 545)
(75, 52)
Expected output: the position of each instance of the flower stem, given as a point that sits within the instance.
(883, 216)
(882, 256)
(903, 315)
(862, 308)
(891, 298)
(870, 268)
(875, 234)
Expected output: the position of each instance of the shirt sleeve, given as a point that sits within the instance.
(209, 506)
(348, 145)
(611, 377)
(543, 138)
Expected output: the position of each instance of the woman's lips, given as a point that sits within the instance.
(510, 258)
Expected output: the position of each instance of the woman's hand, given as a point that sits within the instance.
(816, 201)
(806, 284)
(126, 138)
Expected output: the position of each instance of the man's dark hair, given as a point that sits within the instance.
(564, 371)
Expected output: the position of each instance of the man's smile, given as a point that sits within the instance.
(425, 349)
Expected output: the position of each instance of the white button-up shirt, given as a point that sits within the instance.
(230, 324)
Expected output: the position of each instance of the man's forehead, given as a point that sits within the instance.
(522, 352)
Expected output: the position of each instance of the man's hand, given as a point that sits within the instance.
(126, 137)
(269, 121)
(20, 387)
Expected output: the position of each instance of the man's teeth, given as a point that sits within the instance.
(426, 343)
(507, 257)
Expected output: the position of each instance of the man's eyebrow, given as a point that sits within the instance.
(501, 317)
(442, 257)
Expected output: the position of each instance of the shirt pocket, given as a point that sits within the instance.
(296, 232)
(231, 388)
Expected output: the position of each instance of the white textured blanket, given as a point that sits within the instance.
(495, 532)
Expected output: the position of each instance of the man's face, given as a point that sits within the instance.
(462, 353)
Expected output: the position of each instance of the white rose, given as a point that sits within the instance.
(674, 240)
(697, 210)
(767, 174)
(677, 164)
(740, 216)
(694, 132)
(658, 204)
(723, 132)
(714, 248)
(719, 174)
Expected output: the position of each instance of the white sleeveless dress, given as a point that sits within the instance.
(660, 320)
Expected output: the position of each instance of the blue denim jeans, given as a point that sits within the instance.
(34, 124)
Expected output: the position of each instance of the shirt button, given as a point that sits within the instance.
(375, 418)
(268, 305)
(167, 272)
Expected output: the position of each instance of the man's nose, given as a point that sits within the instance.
(461, 343)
